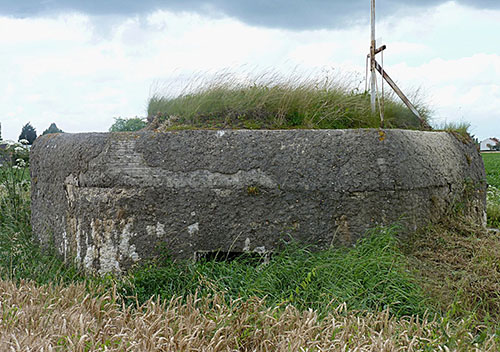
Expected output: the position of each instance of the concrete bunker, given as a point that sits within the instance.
(109, 200)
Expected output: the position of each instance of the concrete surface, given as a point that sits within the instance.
(109, 200)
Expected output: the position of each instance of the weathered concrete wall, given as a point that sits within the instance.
(109, 200)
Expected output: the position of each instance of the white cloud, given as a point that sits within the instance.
(81, 71)
(465, 89)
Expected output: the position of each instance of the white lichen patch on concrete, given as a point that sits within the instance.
(260, 250)
(110, 245)
(157, 231)
(246, 248)
(192, 229)
(69, 185)
(127, 249)
(63, 248)
(222, 192)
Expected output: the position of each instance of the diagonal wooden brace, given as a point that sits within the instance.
(403, 97)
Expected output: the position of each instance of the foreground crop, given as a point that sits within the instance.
(61, 318)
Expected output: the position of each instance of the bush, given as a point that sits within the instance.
(127, 125)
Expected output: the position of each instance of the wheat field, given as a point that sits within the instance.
(62, 318)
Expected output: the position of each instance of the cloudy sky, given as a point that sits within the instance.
(80, 63)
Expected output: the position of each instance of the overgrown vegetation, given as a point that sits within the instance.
(460, 128)
(492, 166)
(371, 276)
(20, 257)
(365, 297)
(271, 101)
(459, 268)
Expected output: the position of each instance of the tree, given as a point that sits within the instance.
(127, 125)
(28, 133)
(52, 129)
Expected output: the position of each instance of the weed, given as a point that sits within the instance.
(493, 206)
(459, 129)
(272, 101)
(252, 190)
(370, 276)
(14, 186)
(459, 267)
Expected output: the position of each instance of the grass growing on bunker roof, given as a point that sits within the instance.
(274, 101)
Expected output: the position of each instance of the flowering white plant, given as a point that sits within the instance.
(15, 153)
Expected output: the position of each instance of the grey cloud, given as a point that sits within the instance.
(292, 14)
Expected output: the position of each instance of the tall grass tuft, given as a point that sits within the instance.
(273, 101)
(459, 127)
(370, 276)
(458, 265)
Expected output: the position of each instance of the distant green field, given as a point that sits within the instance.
(492, 167)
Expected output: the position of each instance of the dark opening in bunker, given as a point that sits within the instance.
(252, 258)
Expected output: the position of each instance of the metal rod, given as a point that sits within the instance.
(381, 98)
(372, 58)
(400, 93)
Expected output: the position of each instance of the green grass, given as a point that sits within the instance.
(492, 167)
(458, 128)
(271, 101)
(371, 276)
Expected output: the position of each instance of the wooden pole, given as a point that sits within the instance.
(374, 67)
(400, 93)
(373, 89)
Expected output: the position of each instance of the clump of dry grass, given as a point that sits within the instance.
(459, 266)
(61, 318)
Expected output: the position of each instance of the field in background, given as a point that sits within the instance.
(492, 167)
(367, 297)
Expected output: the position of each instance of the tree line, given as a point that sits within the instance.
(28, 132)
